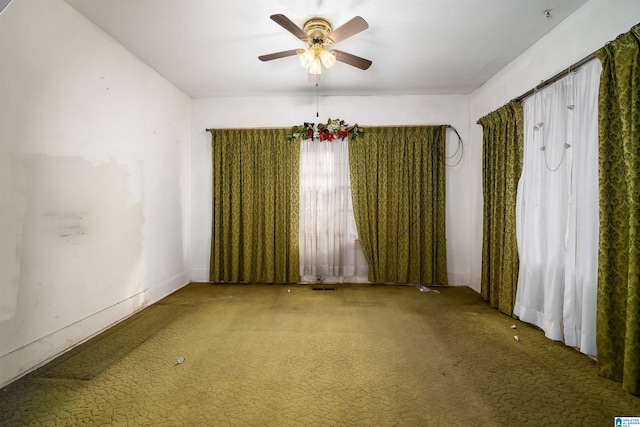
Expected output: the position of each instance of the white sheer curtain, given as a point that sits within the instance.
(557, 210)
(329, 245)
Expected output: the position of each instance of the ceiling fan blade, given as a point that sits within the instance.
(277, 55)
(352, 60)
(348, 29)
(288, 25)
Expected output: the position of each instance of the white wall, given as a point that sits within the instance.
(94, 183)
(582, 33)
(366, 111)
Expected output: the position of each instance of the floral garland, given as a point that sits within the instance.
(333, 129)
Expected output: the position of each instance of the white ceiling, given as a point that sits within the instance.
(211, 47)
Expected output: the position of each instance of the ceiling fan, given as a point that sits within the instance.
(318, 34)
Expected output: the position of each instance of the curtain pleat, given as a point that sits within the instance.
(398, 188)
(618, 312)
(502, 165)
(254, 236)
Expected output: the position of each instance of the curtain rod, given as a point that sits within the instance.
(555, 78)
(275, 127)
(364, 126)
(400, 126)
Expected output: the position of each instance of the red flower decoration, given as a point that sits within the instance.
(325, 136)
(333, 129)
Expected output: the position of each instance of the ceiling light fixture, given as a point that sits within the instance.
(316, 55)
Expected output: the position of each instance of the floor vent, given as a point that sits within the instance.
(323, 288)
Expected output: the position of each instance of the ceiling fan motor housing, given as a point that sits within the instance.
(318, 29)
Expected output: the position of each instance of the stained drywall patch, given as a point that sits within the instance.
(68, 226)
(80, 243)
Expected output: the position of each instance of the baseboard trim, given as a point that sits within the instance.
(30, 357)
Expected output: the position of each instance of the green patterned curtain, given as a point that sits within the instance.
(254, 235)
(502, 151)
(398, 189)
(618, 312)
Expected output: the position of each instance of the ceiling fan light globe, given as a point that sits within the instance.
(307, 57)
(316, 67)
(328, 58)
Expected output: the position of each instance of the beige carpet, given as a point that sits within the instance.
(259, 355)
